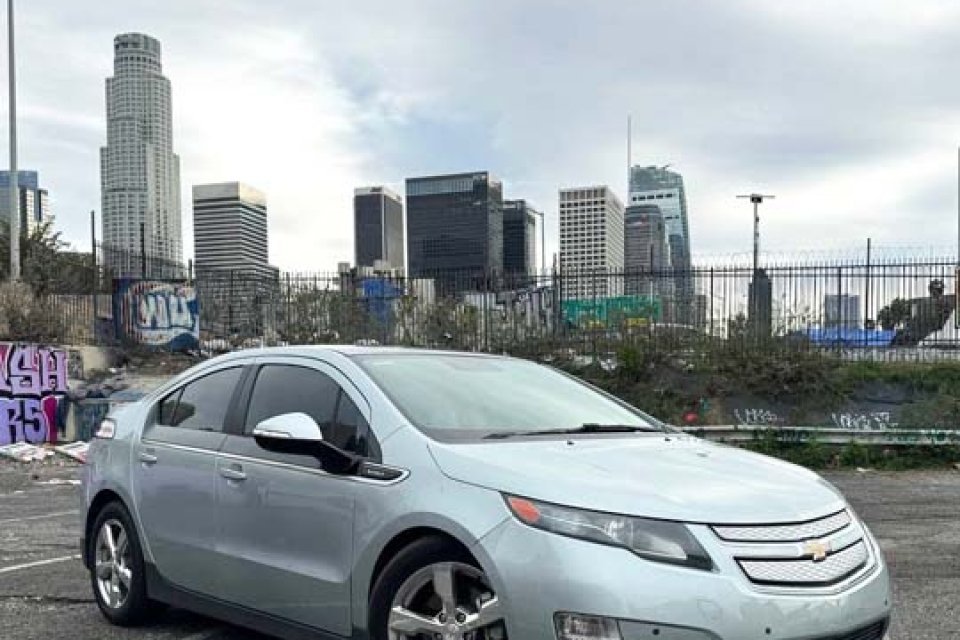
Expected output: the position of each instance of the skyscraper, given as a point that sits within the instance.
(234, 280)
(378, 227)
(139, 173)
(230, 228)
(519, 238)
(34, 201)
(665, 188)
(644, 249)
(455, 228)
(591, 241)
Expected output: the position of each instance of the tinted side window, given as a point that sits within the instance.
(204, 402)
(283, 389)
(350, 431)
(166, 410)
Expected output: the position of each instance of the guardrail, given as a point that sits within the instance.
(739, 434)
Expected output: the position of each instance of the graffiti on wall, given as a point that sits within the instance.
(864, 421)
(33, 381)
(157, 313)
(757, 417)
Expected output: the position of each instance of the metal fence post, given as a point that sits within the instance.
(839, 309)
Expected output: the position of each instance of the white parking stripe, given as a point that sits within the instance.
(57, 514)
(39, 563)
(203, 635)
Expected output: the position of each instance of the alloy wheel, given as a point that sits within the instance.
(446, 601)
(112, 564)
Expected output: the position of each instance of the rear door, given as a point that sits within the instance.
(286, 527)
(176, 476)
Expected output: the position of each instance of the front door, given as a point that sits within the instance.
(176, 477)
(286, 527)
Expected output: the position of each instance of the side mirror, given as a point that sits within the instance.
(289, 426)
(297, 433)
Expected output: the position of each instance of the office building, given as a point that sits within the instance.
(455, 229)
(841, 311)
(34, 201)
(519, 238)
(665, 189)
(644, 250)
(234, 279)
(229, 228)
(139, 172)
(591, 242)
(378, 228)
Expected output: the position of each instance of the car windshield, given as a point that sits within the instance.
(465, 397)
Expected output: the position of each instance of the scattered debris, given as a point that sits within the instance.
(25, 452)
(54, 482)
(75, 450)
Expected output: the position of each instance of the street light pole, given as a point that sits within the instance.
(14, 177)
(757, 199)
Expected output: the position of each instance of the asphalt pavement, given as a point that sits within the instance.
(45, 591)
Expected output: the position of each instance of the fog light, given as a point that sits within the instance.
(571, 626)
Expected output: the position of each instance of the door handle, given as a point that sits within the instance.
(148, 458)
(233, 473)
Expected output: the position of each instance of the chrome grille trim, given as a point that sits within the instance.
(805, 572)
(785, 532)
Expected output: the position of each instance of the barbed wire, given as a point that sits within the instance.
(879, 255)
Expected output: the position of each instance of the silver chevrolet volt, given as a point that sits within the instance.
(393, 494)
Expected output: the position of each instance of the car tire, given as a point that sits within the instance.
(409, 580)
(118, 579)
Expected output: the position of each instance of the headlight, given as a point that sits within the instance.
(656, 540)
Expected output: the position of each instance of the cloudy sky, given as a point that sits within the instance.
(847, 111)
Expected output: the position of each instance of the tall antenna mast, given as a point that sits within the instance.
(629, 153)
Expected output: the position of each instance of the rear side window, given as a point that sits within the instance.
(201, 405)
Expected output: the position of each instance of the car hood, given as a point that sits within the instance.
(668, 477)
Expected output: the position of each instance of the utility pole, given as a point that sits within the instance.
(94, 271)
(757, 199)
(543, 239)
(14, 176)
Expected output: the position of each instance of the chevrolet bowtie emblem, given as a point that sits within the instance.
(817, 550)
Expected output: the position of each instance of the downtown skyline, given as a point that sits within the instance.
(320, 113)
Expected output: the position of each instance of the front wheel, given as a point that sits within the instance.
(432, 590)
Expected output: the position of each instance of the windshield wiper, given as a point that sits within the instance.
(589, 427)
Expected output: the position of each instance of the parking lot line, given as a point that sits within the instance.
(39, 563)
(56, 514)
(204, 635)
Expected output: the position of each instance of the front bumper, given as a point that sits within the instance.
(538, 574)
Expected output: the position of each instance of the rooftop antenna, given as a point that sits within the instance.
(629, 153)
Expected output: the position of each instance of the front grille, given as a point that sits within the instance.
(873, 632)
(817, 553)
(806, 572)
(785, 532)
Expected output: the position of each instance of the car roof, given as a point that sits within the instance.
(348, 351)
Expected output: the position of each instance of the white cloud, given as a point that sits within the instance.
(843, 109)
(261, 108)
